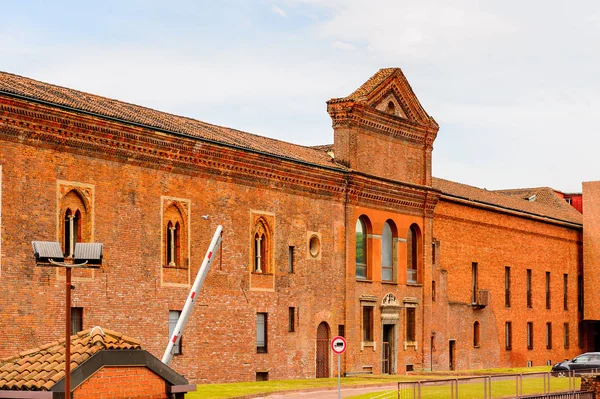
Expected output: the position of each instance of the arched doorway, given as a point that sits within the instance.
(323, 351)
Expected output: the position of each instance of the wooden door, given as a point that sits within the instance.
(323, 351)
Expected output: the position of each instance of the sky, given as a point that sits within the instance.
(513, 84)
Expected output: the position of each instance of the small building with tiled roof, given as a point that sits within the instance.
(355, 238)
(104, 364)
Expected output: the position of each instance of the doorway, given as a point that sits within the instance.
(322, 351)
(387, 351)
(452, 347)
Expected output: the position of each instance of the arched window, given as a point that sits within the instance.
(388, 251)
(259, 252)
(476, 334)
(412, 254)
(174, 236)
(391, 108)
(261, 245)
(361, 248)
(74, 217)
(173, 249)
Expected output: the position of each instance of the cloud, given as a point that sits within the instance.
(279, 11)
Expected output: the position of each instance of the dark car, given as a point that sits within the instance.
(583, 363)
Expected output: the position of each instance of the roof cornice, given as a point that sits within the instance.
(510, 211)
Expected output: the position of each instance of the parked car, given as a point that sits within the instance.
(582, 363)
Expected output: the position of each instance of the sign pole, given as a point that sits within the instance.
(338, 346)
(339, 387)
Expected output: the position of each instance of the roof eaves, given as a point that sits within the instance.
(162, 130)
(521, 212)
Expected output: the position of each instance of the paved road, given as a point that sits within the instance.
(332, 394)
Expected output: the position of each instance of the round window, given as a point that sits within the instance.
(314, 246)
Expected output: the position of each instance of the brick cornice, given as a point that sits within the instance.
(85, 135)
(60, 130)
(371, 192)
(352, 114)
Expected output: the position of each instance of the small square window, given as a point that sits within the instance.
(262, 376)
(261, 333)
(367, 325)
(291, 319)
(173, 319)
(76, 320)
(290, 259)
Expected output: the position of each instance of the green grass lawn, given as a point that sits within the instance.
(471, 390)
(221, 391)
(475, 390)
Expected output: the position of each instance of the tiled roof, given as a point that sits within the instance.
(542, 195)
(545, 208)
(381, 76)
(107, 107)
(41, 368)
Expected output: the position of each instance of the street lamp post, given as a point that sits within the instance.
(87, 255)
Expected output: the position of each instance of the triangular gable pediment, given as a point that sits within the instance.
(396, 91)
(388, 91)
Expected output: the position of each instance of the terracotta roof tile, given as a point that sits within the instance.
(545, 209)
(41, 368)
(21, 86)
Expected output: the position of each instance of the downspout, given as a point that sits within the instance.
(345, 263)
(425, 183)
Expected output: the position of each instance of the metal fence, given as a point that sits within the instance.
(529, 385)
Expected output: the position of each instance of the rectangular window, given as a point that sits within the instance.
(341, 330)
(548, 335)
(76, 320)
(508, 335)
(580, 335)
(261, 333)
(367, 325)
(580, 293)
(565, 291)
(433, 291)
(507, 286)
(547, 290)
(410, 325)
(529, 335)
(474, 282)
(529, 301)
(291, 259)
(173, 318)
(292, 320)
(566, 335)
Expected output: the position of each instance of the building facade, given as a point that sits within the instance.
(354, 238)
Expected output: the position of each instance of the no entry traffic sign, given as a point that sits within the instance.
(338, 345)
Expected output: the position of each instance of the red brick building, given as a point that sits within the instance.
(354, 238)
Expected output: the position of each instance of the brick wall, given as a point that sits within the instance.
(126, 293)
(122, 383)
(591, 248)
(495, 240)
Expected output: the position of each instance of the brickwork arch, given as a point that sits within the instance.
(262, 244)
(74, 220)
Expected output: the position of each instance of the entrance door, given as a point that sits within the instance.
(387, 352)
(452, 355)
(323, 351)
